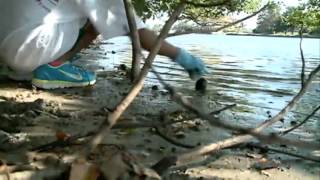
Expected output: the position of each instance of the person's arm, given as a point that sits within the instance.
(148, 39)
(193, 65)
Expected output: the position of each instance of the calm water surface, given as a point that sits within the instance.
(260, 74)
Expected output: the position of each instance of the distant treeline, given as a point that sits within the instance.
(304, 18)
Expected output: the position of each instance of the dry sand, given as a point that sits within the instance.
(81, 110)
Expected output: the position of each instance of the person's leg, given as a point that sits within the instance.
(86, 35)
(148, 39)
(60, 73)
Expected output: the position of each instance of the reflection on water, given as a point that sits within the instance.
(259, 74)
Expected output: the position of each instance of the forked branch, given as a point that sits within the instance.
(113, 117)
(211, 148)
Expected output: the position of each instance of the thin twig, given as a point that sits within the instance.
(73, 139)
(209, 4)
(213, 147)
(172, 141)
(223, 27)
(210, 148)
(62, 143)
(223, 109)
(293, 102)
(145, 124)
(177, 97)
(243, 19)
(122, 106)
(300, 124)
(302, 58)
(257, 146)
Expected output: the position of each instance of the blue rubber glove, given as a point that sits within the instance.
(193, 65)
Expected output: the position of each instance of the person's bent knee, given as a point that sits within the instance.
(23, 66)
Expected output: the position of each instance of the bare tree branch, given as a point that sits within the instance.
(122, 106)
(302, 58)
(303, 122)
(172, 141)
(73, 139)
(293, 102)
(136, 58)
(113, 117)
(223, 109)
(221, 28)
(243, 19)
(210, 148)
(177, 97)
(208, 4)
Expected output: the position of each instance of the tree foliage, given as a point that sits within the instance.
(304, 18)
(197, 10)
(208, 12)
(269, 19)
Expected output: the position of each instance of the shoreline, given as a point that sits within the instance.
(273, 35)
(81, 110)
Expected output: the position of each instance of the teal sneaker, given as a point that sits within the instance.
(63, 76)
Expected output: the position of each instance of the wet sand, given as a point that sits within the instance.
(81, 110)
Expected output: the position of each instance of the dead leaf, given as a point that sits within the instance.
(62, 136)
(81, 170)
(4, 169)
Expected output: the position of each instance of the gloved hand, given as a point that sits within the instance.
(193, 65)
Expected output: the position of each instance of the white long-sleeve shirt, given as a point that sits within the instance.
(36, 32)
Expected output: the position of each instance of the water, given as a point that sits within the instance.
(259, 74)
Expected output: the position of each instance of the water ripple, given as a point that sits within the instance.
(259, 74)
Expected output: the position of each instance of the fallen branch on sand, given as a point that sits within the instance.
(172, 141)
(223, 109)
(113, 117)
(214, 147)
(272, 138)
(248, 134)
(72, 140)
(216, 122)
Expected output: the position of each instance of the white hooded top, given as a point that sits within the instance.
(36, 32)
